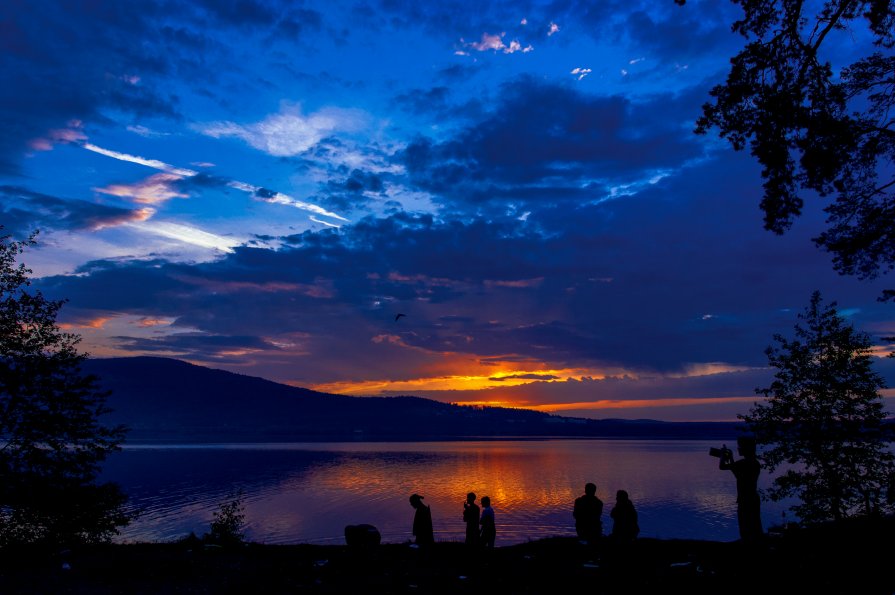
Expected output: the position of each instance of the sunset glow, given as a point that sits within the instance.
(478, 203)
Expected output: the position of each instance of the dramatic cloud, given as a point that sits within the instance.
(551, 143)
(554, 242)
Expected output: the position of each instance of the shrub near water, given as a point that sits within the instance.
(228, 522)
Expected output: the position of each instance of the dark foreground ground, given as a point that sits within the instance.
(858, 558)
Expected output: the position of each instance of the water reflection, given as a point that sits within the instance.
(307, 493)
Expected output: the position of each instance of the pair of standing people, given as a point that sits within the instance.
(480, 527)
(588, 512)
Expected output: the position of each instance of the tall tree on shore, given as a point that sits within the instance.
(823, 420)
(52, 441)
(816, 128)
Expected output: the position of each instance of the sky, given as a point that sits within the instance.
(263, 186)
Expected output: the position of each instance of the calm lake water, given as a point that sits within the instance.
(309, 492)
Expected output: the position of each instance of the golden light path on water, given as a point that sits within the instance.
(308, 493)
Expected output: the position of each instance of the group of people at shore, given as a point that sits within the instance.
(481, 529)
(588, 508)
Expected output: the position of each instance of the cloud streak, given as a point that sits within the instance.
(257, 192)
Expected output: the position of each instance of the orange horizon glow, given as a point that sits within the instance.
(640, 403)
(505, 378)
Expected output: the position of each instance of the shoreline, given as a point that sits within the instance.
(843, 558)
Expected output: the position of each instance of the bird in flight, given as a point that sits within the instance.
(397, 316)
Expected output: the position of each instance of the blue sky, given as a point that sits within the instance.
(263, 186)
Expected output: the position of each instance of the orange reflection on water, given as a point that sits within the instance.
(315, 490)
(532, 485)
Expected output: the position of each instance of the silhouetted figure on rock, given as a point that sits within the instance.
(587, 512)
(746, 471)
(422, 521)
(624, 519)
(471, 518)
(489, 530)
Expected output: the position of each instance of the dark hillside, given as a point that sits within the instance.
(167, 399)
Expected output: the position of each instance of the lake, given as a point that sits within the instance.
(309, 492)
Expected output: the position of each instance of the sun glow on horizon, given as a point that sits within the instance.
(454, 382)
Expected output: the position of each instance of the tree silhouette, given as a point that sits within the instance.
(824, 420)
(814, 127)
(51, 438)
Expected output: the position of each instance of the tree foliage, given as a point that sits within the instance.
(228, 522)
(52, 441)
(823, 420)
(816, 127)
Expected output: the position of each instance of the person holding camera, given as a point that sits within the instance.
(746, 471)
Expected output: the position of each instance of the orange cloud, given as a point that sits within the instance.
(136, 215)
(519, 283)
(152, 190)
(148, 322)
(93, 323)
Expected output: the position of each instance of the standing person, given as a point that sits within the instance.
(624, 518)
(587, 512)
(422, 521)
(471, 518)
(489, 530)
(746, 471)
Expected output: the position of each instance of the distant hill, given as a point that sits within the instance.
(162, 399)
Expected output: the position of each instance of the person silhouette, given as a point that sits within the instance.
(746, 471)
(471, 518)
(624, 518)
(489, 531)
(422, 521)
(587, 512)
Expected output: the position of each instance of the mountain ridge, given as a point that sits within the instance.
(165, 399)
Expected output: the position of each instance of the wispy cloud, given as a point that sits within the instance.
(257, 192)
(147, 132)
(188, 235)
(580, 73)
(153, 163)
(288, 133)
(326, 223)
(554, 28)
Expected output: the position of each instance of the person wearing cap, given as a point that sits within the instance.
(422, 521)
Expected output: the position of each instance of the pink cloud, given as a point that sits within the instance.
(155, 189)
(71, 134)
